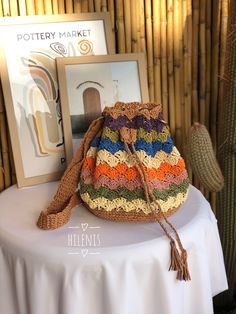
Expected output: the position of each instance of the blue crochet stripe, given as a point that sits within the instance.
(95, 142)
(150, 148)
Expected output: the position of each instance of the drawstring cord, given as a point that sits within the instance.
(178, 263)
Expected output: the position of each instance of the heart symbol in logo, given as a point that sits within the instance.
(84, 226)
(84, 252)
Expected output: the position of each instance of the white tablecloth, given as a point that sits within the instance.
(94, 266)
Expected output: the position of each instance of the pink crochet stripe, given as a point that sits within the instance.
(169, 179)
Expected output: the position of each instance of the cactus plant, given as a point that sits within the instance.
(202, 158)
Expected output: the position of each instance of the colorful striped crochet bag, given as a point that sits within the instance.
(126, 169)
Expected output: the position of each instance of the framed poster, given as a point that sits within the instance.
(90, 83)
(29, 46)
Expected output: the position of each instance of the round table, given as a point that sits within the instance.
(94, 266)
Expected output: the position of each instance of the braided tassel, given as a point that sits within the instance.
(179, 263)
(185, 275)
(175, 261)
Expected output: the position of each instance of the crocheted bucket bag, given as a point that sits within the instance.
(126, 169)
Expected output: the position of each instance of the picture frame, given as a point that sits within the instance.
(28, 48)
(90, 83)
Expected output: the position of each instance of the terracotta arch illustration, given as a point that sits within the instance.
(92, 104)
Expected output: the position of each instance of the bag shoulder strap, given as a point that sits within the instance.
(59, 210)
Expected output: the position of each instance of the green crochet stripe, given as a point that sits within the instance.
(154, 135)
(104, 191)
(142, 134)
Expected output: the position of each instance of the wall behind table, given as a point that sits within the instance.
(184, 42)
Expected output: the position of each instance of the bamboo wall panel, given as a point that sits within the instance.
(184, 43)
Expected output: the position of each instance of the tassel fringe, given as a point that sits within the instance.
(176, 262)
(179, 263)
(185, 272)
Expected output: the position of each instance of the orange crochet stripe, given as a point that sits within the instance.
(131, 172)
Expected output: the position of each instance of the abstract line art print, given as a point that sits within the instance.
(29, 48)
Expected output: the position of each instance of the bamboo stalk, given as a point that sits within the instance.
(185, 75)
(202, 61)
(185, 69)
(213, 202)
(196, 182)
(4, 143)
(202, 65)
(55, 8)
(39, 7)
(1, 9)
(202, 189)
(127, 17)
(6, 8)
(188, 73)
(22, 7)
(13, 7)
(214, 68)
(223, 36)
(120, 26)
(104, 6)
(142, 26)
(170, 60)
(137, 5)
(78, 5)
(69, 6)
(177, 64)
(207, 195)
(149, 34)
(98, 4)
(91, 5)
(195, 111)
(208, 61)
(61, 6)
(30, 7)
(189, 63)
(111, 9)
(84, 6)
(47, 7)
(181, 70)
(164, 61)
(157, 50)
(134, 38)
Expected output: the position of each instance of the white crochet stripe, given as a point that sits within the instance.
(122, 157)
(103, 203)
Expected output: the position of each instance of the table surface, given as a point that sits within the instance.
(122, 267)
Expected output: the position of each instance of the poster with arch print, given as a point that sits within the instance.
(90, 83)
(29, 46)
